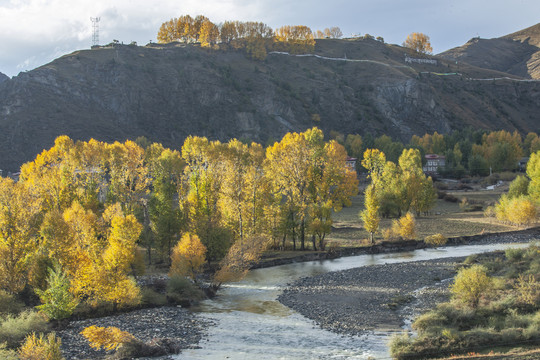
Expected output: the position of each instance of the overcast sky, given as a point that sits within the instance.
(34, 32)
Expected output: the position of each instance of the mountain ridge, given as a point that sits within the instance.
(167, 92)
(517, 53)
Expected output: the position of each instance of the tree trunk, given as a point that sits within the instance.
(302, 235)
(314, 242)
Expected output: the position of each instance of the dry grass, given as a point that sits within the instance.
(446, 218)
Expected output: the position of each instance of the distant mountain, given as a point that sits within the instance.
(168, 92)
(517, 53)
(3, 77)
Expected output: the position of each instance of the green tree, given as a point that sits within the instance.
(57, 300)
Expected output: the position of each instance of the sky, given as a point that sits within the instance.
(34, 32)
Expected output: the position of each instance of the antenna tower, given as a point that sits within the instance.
(95, 30)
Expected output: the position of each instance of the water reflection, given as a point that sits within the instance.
(251, 324)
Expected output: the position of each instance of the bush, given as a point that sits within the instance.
(470, 284)
(188, 257)
(152, 297)
(436, 240)
(9, 304)
(405, 227)
(41, 348)
(7, 354)
(14, 329)
(182, 291)
(108, 338)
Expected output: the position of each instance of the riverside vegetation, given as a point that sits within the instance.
(71, 227)
(84, 217)
(495, 306)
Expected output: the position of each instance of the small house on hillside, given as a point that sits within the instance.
(351, 163)
(522, 164)
(433, 163)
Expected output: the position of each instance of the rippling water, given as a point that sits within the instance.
(252, 324)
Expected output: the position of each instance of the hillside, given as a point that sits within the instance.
(167, 92)
(517, 53)
(3, 77)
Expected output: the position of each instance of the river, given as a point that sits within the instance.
(252, 324)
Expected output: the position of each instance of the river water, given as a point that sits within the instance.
(252, 324)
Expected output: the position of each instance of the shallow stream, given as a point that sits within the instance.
(252, 324)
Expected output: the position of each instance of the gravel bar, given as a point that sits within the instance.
(176, 324)
(380, 297)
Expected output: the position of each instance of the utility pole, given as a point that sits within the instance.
(95, 30)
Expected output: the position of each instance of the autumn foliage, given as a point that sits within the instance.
(256, 38)
(418, 42)
(108, 338)
(188, 257)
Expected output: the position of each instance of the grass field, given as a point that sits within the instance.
(447, 218)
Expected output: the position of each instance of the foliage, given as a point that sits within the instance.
(58, 302)
(533, 172)
(9, 304)
(14, 328)
(404, 227)
(370, 216)
(518, 187)
(108, 338)
(239, 259)
(436, 240)
(41, 348)
(188, 257)
(470, 284)
(19, 209)
(181, 290)
(517, 210)
(418, 42)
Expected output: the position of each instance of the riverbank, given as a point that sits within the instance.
(171, 328)
(380, 297)
(399, 246)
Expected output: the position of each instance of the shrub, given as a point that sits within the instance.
(7, 354)
(41, 348)
(58, 302)
(405, 227)
(436, 240)
(108, 338)
(9, 304)
(470, 284)
(188, 257)
(13, 329)
(152, 297)
(518, 187)
(182, 291)
(400, 346)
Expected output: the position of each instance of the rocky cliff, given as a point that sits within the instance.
(167, 92)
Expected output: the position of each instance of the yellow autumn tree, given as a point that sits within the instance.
(333, 184)
(188, 257)
(19, 209)
(51, 175)
(208, 34)
(370, 215)
(418, 42)
(129, 182)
